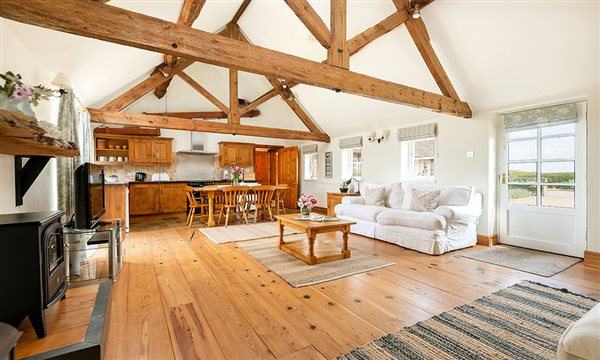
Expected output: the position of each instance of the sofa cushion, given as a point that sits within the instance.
(581, 340)
(424, 200)
(414, 219)
(394, 193)
(362, 212)
(375, 196)
(449, 196)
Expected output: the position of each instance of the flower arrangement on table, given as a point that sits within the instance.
(306, 203)
(18, 96)
(236, 174)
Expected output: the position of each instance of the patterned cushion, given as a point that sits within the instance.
(424, 201)
(375, 196)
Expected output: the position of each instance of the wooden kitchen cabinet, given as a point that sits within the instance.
(156, 198)
(162, 150)
(114, 200)
(172, 197)
(138, 149)
(141, 151)
(240, 154)
(144, 198)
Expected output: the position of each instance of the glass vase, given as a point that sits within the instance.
(305, 211)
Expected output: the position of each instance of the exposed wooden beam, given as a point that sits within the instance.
(337, 54)
(135, 93)
(204, 115)
(383, 27)
(311, 20)
(199, 88)
(165, 122)
(240, 11)
(288, 97)
(400, 4)
(125, 27)
(260, 100)
(234, 114)
(418, 32)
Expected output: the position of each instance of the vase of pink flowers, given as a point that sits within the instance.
(306, 203)
(17, 96)
(236, 174)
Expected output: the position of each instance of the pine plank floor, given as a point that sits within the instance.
(187, 299)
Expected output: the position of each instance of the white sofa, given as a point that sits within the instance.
(451, 226)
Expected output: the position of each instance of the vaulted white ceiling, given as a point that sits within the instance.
(496, 53)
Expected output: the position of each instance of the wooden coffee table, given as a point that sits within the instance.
(304, 250)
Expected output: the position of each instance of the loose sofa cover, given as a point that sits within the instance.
(451, 226)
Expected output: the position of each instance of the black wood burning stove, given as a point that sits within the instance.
(32, 267)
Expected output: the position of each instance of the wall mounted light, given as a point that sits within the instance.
(374, 138)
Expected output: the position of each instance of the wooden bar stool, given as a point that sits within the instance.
(235, 198)
(194, 205)
(262, 200)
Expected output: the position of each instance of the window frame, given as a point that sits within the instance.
(348, 163)
(308, 160)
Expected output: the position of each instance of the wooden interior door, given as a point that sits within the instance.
(288, 174)
(262, 167)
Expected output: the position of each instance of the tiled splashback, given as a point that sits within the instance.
(126, 172)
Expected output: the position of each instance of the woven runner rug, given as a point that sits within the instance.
(523, 321)
(298, 274)
(243, 232)
(531, 261)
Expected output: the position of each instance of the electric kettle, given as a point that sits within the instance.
(140, 176)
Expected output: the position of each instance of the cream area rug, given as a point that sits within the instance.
(231, 233)
(299, 274)
(531, 261)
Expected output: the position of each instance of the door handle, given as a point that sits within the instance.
(503, 178)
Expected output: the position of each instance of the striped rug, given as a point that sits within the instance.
(298, 274)
(243, 232)
(523, 321)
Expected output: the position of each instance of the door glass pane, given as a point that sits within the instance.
(558, 148)
(522, 194)
(559, 129)
(522, 134)
(522, 150)
(522, 172)
(558, 172)
(558, 196)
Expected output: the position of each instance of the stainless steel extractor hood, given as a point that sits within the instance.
(197, 140)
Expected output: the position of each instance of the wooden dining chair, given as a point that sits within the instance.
(194, 206)
(262, 199)
(280, 191)
(234, 198)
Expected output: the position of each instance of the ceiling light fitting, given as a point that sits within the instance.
(415, 11)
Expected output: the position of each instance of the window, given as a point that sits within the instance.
(418, 158)
(541, 166)
(352, 163)
(310, 166)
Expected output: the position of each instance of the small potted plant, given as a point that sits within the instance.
(344, 186)
(306, 203)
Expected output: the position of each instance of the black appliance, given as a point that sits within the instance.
(32, 267)
(89, 195)
(140, 176)
(200, 183)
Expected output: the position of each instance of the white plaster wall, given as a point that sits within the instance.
(41, 196)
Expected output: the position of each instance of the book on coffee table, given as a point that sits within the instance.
(321, 218)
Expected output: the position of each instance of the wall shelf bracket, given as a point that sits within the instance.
(26, 174)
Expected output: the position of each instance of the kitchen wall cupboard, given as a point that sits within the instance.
(137, 149)
(240, 154)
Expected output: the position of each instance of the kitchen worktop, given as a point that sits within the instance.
(157, 182)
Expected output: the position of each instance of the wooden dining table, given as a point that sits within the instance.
(213, 190)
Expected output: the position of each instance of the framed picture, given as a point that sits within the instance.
(329, 165)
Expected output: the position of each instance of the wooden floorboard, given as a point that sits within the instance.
(188, 299)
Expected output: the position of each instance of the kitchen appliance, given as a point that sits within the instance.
(200, 183)
(197, 140)
(140, 176)
(161, 177)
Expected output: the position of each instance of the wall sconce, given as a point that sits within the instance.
(373, 136)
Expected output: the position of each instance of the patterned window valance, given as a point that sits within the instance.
(558, 114)
(417, 132)
(310, 149)
(349, 143)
